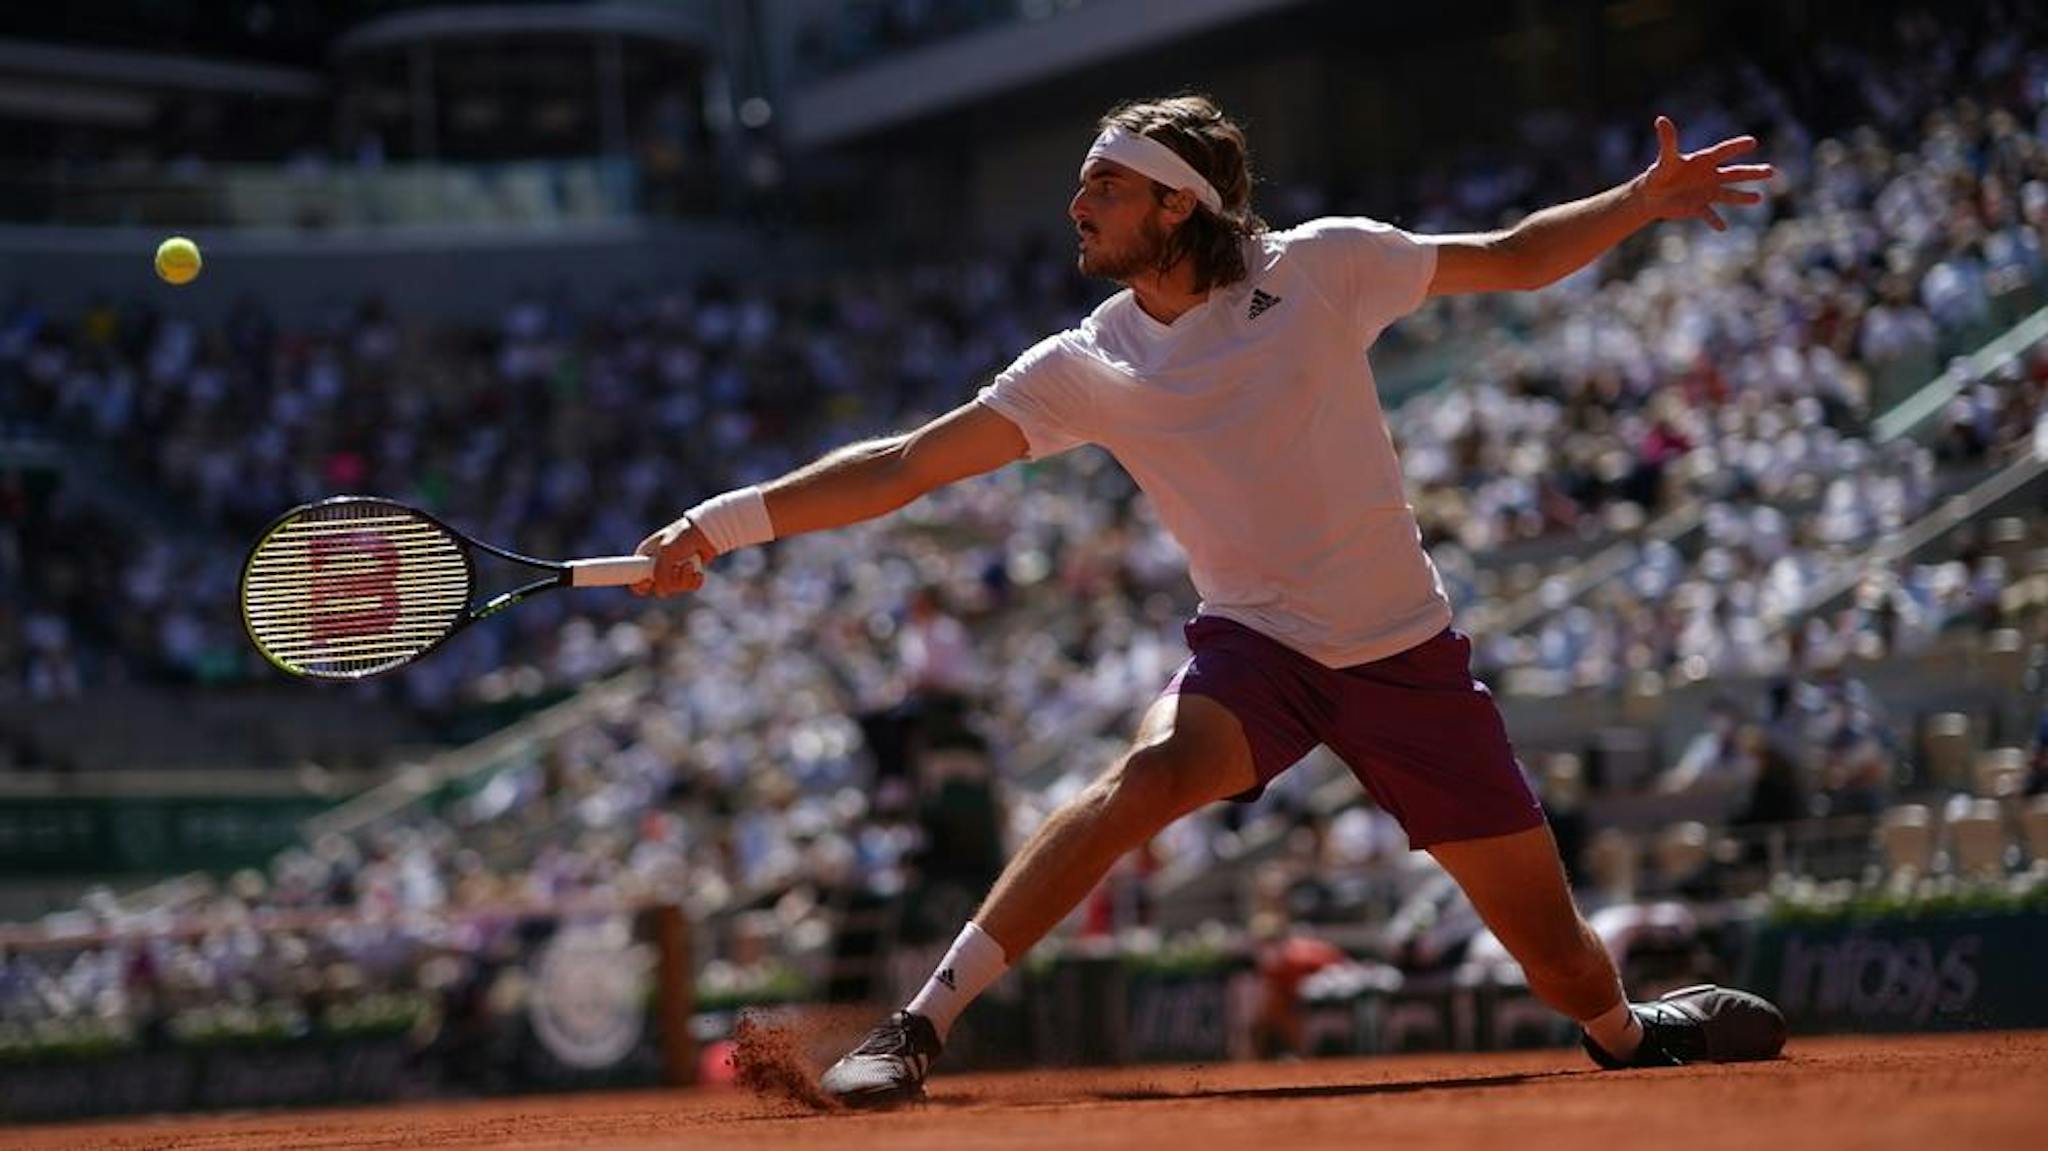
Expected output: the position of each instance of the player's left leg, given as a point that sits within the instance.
(1517, 884)
(1427, 741)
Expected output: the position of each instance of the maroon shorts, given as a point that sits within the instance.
(1417, 730)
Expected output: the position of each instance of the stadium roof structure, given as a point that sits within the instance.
(681, 24)
(980, 64)
(156, 69)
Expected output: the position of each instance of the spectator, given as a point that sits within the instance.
(1717, 761)
(1780, 793)
(1285, 956)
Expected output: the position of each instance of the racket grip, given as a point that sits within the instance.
(615, 571)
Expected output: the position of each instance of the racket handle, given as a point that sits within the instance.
(615, 571)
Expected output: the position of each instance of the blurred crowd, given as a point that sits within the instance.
(1737, 371)
(556, 435)
(1736, 375)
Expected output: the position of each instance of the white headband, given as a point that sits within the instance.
(1149, 157)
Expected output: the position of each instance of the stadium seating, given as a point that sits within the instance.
(2035, 821)
(1907, 838)
(2001, 772)
(1614, 861)
(1949, 749)
(1683, 851)
(2005, 659)
(1976, 831)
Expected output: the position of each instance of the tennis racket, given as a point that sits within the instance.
(355, 586)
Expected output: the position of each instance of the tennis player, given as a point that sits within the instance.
(1230, 379)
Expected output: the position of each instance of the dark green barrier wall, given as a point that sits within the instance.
(1935, 974)
(100, 835)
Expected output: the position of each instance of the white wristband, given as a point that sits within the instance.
(736, 519)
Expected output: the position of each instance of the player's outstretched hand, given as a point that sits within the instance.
(1689, 185)
(680, 552)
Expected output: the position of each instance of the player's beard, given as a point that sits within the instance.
(1142, 254)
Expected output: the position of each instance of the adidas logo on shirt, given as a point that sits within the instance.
(1261, 300)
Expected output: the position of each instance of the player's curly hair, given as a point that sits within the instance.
(1197, 130)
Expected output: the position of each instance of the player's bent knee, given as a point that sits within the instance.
(1165, 780)
(1141, 784)
(1144, 789)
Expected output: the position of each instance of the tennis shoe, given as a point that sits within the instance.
(888, 1067)
(1700, 1024)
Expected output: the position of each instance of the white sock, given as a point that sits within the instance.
(973, 962)
(1616, 1030)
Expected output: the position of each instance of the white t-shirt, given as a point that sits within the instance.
(1254, 425)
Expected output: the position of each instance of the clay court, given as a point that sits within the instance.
(1919, 1092)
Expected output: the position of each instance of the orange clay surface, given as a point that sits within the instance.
(1918, 1092)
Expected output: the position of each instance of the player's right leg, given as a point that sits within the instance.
(1517, 884)
(1428, 741)
(1190, 751)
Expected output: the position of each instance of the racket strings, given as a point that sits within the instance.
(346, 590)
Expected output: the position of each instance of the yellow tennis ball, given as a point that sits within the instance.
(177, 260)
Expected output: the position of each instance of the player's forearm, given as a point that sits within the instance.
(857, 482)
(1557, 241)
